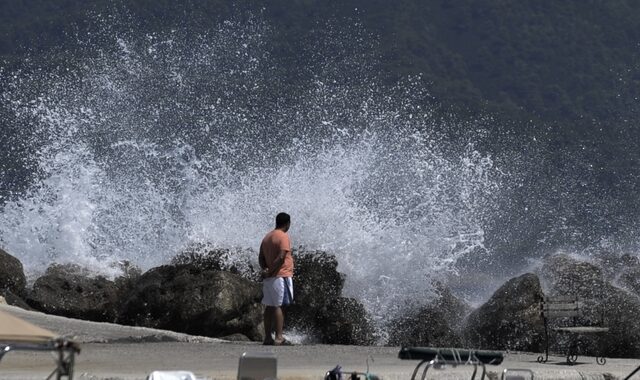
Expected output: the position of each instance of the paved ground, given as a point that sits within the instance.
(111, 351)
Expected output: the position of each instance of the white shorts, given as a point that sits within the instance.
(277, 291)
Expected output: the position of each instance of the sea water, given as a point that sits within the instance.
(142, 144)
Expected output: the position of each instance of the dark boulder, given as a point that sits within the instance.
(319, 309)
(603, 303)
(510, 319)
(12, 276)
(629, 274)
(188, 299)
(72, 291)
(317, 280)
(15, 300)
(614, 265)
(435, 324)
(126, 281)
(454, 309)
(208, 257)
(317, 284)
(345, 321)
(564, 275)
(620, 312)
(630, 280)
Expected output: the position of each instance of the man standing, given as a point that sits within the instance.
(276, 262)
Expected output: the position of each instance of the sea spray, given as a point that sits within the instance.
(150, 143)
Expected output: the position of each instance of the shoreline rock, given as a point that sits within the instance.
(202, 300)
(319, 308)
(604, 303)
(437, 324)
(188, 299)
(68, 290)
(510, 319)
(12, 277)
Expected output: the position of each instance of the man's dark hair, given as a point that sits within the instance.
(282, 219)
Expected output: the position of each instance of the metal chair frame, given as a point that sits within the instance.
(567, 307)
(65, 360)
(440, 362)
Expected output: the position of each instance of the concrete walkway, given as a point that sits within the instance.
(113, 352)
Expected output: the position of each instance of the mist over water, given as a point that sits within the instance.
(147, 143)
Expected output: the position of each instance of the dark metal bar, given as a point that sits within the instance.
(64, 362)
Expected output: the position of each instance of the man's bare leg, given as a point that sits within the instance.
(269, 312)
(279, 323)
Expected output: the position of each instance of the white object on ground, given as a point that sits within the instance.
(171, 375)
(257, 366)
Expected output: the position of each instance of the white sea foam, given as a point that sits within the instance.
(152, 144)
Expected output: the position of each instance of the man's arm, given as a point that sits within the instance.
(263, 263)
(261, 260)
(277, 263)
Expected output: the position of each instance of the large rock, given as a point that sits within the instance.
(209, 257)
(564, 275)
(510, 319)
(318, 309)
(14, 300)
(72, 291)
(125, 283)
(12, 276)
(317, 280)
(629, 274)
(620, 313)
(435, 324)
(345, 322)
(188, 299)
(604, 303)
(613, 265)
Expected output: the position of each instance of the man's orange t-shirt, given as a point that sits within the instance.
(272, 244)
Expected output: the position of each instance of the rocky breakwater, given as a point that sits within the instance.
(319, 310)
(200, 292)
(510, 319)
(607, 288)
(73, 291)
(12, 279)
(189, 299)
(435, 324)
